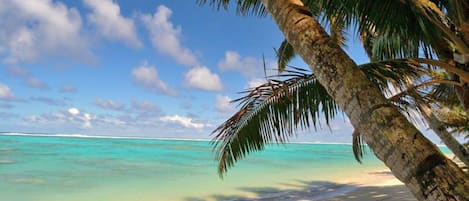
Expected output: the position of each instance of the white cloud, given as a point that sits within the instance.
(34, 29)
(109, 104)
(87, 120)
(73, 111)
(248, 66)
(202, 78)
(253, 83)
(223, 104)
(67, 118)
(5, 93)
(147, 77)
(75, 116)
(109, 22)
(166, 38)
(183, 121)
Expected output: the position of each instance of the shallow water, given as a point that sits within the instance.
(70, 168)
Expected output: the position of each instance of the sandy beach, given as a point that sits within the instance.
(378, 186)
(382, 187)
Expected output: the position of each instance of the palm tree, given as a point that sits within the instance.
(411, 157)
(440, 129)
(422, 103)
(372, 40)
(402, 29)
(389, 44)
(383, 39)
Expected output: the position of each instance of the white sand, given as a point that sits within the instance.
(376, 186)
(382, 186)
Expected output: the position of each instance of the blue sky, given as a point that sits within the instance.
(133, 68)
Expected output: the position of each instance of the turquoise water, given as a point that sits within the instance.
(68, 168)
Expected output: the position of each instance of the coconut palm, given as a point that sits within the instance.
(425, 105)
(389, 44)
(411, 157)
(403, 29)
(444, 87)
(455, 121)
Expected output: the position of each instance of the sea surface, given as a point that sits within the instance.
(39, 168)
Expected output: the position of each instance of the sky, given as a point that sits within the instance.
(149, 68)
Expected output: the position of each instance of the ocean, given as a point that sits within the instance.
(39, 168)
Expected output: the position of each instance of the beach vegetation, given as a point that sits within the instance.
(411, 157)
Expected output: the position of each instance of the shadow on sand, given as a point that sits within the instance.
(320, 190)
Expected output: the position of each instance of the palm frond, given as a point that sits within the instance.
(457, 10)
(454, 118)
(338, 31)
(444, 93)
(285, 54)
(420, 23)
(393, 71)
(273, 112)
(387, 46)
(358, 146)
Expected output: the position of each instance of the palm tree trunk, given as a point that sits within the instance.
(435, 124)
(412, 158)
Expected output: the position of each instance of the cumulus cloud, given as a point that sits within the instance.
(183, 121)
(5, 93)
(73, 111)
(223, 104)
(87, 120)
(75, 115)
(166, 38)
(248, 66)
(109, 104)
(202, 78)
(35, 29)
(71, 116)
(109, 22)
(147, 77)
(28, 79)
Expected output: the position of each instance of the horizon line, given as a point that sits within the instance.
(44, 134)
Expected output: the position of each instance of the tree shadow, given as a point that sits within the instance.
(319, 190)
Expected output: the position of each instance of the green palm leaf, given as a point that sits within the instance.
(285, 54)
(271, 113)
(277, 109)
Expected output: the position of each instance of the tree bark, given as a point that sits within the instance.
(412, 158)
(435, 124)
